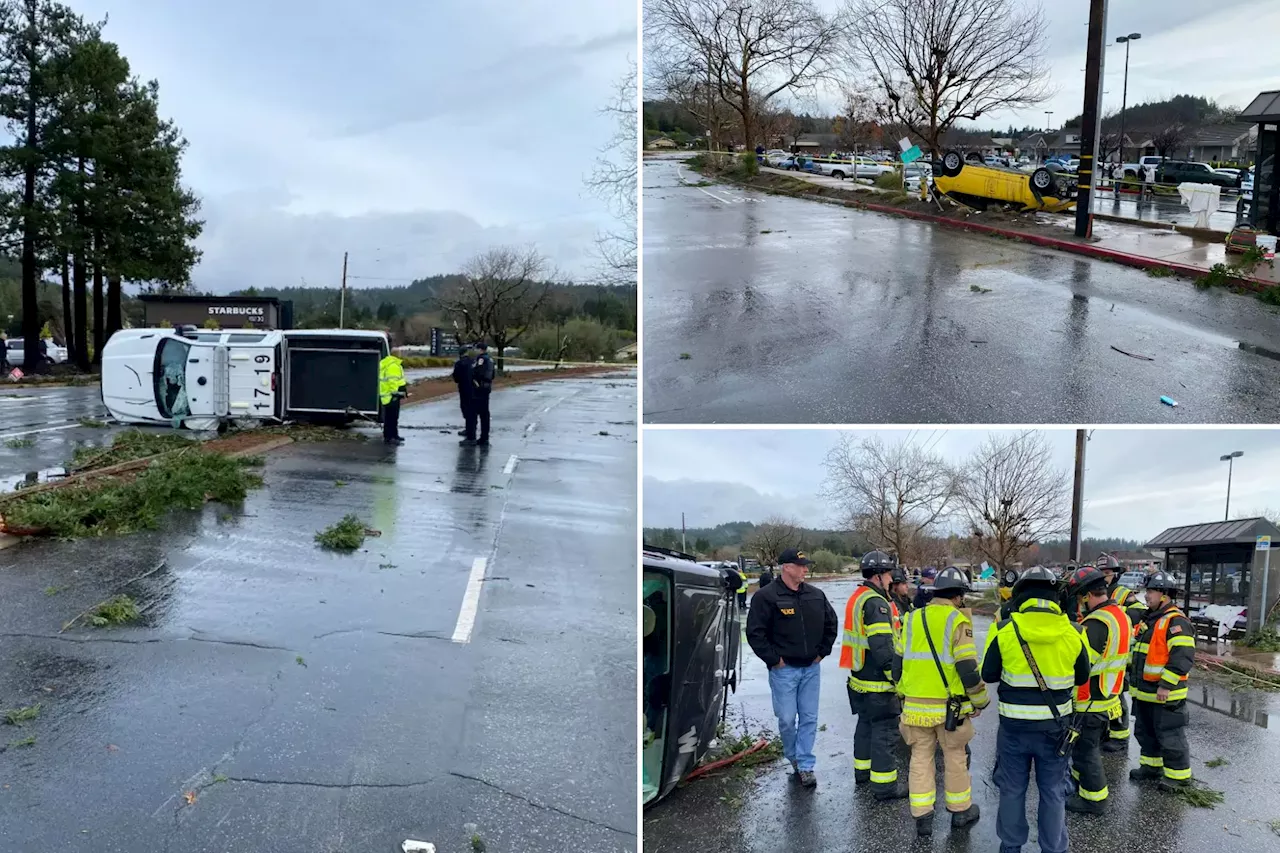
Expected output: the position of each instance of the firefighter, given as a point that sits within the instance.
(900, 593)
(870, 649)
(742, 591)
(1162, 660)
(1034, 721)
(1107, 634)
(1118, 730)
(939, 665)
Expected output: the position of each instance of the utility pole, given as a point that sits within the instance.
(1124, 97)
(1077, 496)
(31, 166)
(1090, 116)
(342, 298)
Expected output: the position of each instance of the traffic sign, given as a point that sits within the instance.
(1264, 543)
(904, 143)
(912, 154)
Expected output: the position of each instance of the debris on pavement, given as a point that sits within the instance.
(1168, 401)
(411, 846)
(345, 535)
(1132, 354)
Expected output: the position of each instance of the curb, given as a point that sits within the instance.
(1139, 261)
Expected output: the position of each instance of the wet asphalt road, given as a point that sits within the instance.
(320, 702)
(46, 421)
(794, 311)
(1241, 726)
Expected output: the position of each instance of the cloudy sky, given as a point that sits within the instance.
(1137, 482)
(411, 134)
(1187, 47)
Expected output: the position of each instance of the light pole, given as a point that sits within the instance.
(1230, 460)
(1048, 120)
(1124, 98)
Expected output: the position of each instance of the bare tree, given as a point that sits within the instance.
(615, 180)
(750, 51)
(499, 296)
(1170, 139)
(891, 494)
(773, 536)
(857, 121)
(1271, 514)
(939, 63)
(1012, 496)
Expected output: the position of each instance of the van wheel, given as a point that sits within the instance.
(838, 174)
(1042, 179)
(952, 163)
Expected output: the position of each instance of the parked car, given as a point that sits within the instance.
(1133, 580)
(17, 355)
(978, 185)
(1233, 174)
(1143, 169)
(775, 157)
(1183, 171)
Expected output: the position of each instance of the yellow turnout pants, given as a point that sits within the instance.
(923, 781)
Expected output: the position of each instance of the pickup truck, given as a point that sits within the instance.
(207, 379)
(1145, 166)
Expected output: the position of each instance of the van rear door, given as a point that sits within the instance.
(252, 381)
(206, 381)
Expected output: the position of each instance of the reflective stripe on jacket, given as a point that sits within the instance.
(390, 378)
(1152, 652)
(1106, 670)
(856, 639)
(922, 688)
(1055, 643)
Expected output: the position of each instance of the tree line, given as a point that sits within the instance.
(90, 179)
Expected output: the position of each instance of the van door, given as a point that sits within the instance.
(252, 381)
(206, 381)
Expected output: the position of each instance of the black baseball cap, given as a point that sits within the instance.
(481, 345)
(791, 555)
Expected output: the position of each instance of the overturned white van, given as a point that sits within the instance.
(203, 379)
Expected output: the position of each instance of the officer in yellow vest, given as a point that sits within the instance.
(941, 691)
(871, 643)
(1034, 720)
(1118, 731)
(1162, 661)
(742, 592)
(392, 387)
(1108, 634)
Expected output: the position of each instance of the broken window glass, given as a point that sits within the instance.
(171, 379)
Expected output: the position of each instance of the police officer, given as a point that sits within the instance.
(1107, 634)
(1162, 659)
(900, 593)
(1034, 721)
(392, 388)
(743, 583)
(766, 578)
(1117, 739)
(462, 378)
(870, 650)
(939, 664)
(482, 372)
(925, 590)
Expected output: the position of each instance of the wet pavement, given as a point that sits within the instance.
(767, 309)
(40, 428)
(1165, 210)
(475, 663)
(1241, 726)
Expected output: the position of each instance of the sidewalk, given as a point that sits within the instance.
(1135, 245)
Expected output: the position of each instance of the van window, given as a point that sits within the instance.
(171, 378)
(656, 645)
(244, 338)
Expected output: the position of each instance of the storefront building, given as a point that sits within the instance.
(226, 312)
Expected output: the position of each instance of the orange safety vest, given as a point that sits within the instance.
(854, 645)
(1158, 649)
(1110, 669)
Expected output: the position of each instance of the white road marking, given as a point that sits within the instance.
(34, 431)
(716, 197)
(22, 398)
(511, 463)
(531, 427)
(471, 599)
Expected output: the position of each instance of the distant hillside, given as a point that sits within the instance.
(1190, 110)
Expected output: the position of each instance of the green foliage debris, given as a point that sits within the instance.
(126, 447)
(1159, 272)
(29, 740)
(92, 423)
(117, 610)
(1216, 762)
(1262, 640)
(1199, 795)
(974, 288)
(18, 716)
(52, 590)
(346, 535)
(18, 443)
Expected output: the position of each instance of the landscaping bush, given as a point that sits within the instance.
(889, 181)
(826, 562)
(588, 340)
(748, 166)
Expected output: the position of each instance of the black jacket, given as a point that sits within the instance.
(462, 376)
(482, 373)
(793, 625)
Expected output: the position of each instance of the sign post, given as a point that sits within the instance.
(1264, 544)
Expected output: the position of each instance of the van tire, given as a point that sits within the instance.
(952, 163)
(838, 174)
(1041, 179)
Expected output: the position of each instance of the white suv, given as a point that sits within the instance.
(17, 354)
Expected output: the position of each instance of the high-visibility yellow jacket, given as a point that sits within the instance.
(390, 378)
(922, 687)
(1108, 636)
(871, 640)
(1059, 650)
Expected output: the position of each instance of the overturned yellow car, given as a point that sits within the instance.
(978, 185)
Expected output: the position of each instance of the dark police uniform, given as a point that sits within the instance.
(482, 372)
(462, 378)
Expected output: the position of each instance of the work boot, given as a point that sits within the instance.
(462, 432)
(484, 442)
(924, 824)
(892, 791)
(1116, 745)
(1077, 803)
(1144, 773)
(397, 441)
(1170, 785)
(468, 442)
(861, 777)
(959, 820)
(807, 778)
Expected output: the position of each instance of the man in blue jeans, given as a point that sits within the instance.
(1032, 718)
(791, 627)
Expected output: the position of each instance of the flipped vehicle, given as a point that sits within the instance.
(691, 647)
(978, 186)
(205, 380)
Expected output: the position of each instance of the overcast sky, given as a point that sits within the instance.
(1137, 482)
(411, 134)
(1215, 49)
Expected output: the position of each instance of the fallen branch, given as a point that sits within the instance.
(158, 566)
(715, 765)
(1132, 354)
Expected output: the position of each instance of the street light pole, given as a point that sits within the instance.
(1090, 116)
(1124, 98)
(1230, 459)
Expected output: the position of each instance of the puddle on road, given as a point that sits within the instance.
(1249, 706)
(31, 478)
